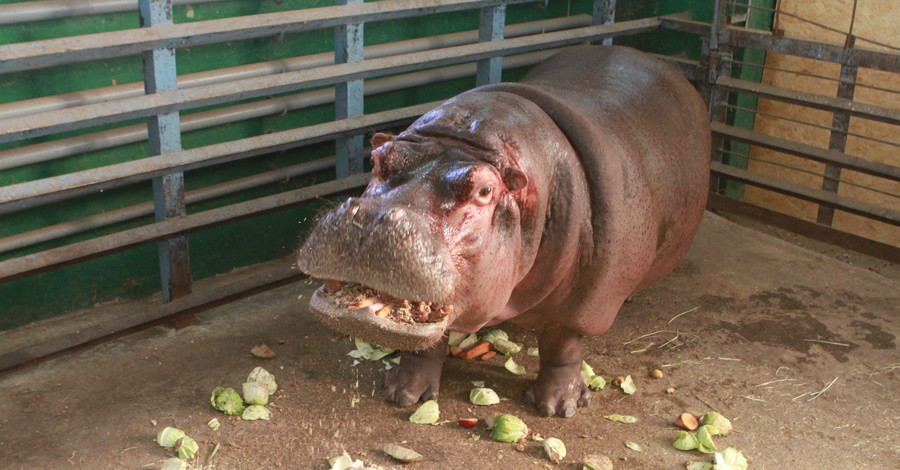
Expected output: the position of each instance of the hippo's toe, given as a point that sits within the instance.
(558, 392)
(417, 377)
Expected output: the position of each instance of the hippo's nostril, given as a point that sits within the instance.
(396, 214)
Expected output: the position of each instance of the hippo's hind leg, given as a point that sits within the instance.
(559, 388)
(417, 377)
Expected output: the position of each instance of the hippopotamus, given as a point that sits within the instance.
(547, 202)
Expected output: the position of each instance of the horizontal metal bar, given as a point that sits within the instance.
(60, 148)
(719, 204)
(854, 108)
(52, 52)
(683, 22)
(25, 12)
(178, 100)
(123, 214)
(818, 154)
(81, 251)
(44, 338)
(765, 40)
(208, 77)
(818, 196)
(26, 195)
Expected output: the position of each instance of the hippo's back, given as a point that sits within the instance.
(642, 135)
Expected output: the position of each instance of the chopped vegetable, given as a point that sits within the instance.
(214, 424)
(468, 341)
(428, 413)
(169, 436)
(621, 418)
(687, 421)
(456, 338)
(730, 459)
(476, 351)
(262, 351)
(721, 423)
(187, 448)
(704, 439)
(402, 453)
(227, 400)
(685, 440)
(254, 412)
(597, 462)
(533, 352)
(255, 393)
(555, 449)
(514, 368)
(509, 428)
(483, 396)
(634, 446)
(367, 351)
(468, 422)
(263, 376)
(592, 380)
(173, 464)
(628, 386)
(698, 466)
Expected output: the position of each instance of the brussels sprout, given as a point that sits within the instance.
(685, 441)
(369, 352)
(721, 423)
(428, 413)
(187, 448)
(508, 428)
(254, 412)
(555, 449)
(730, 459)
(511, 366)
(592, 380)
(628, 386)
(483, 396)
(255, 393)
(596, 383)
(263, 376)
(169, 436)
(704, 439)
(227, 400)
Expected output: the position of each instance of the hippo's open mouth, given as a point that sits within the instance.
(378, 317)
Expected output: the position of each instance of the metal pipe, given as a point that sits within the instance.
(98, 95)
(53, 52)
(278, 106)
(138, 132)
(61, 9)
(180, 100)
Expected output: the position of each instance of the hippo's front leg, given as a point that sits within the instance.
(559, 388)
(417, 377)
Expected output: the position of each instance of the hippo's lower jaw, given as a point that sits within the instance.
(364, 313)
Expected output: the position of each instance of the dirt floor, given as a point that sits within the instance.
(797, 348)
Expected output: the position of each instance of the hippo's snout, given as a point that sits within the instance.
(387, 248)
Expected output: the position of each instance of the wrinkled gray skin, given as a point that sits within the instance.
(546, 203)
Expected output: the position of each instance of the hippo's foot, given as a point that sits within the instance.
(417, 377)
(558, 390)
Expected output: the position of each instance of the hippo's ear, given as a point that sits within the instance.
(381, 138)
(514, 179)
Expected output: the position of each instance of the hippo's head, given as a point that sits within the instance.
(435, 240)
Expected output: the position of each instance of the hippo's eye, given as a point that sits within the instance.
(484, 195)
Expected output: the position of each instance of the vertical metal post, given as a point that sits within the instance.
(493, 21)
(348, 47)
(718, 61)
(840, 124)
(165, 136)
(604, 13)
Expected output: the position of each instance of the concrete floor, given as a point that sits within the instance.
(797, 348)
